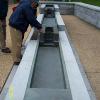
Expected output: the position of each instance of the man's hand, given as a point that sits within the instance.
(41, 30)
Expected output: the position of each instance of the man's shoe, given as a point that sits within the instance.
(18, 60)
(6, 50)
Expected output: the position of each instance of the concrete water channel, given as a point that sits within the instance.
(48, 69)
(48, 80)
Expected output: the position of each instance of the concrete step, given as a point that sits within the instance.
(47, 94)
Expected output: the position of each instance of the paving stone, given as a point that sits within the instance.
(47, 94)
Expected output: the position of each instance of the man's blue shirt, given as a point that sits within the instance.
(23, 16)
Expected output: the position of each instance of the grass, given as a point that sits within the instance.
(93, 2)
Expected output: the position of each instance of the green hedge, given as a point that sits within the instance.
(93, 2)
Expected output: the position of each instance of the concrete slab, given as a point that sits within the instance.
(56, 7)
(47, 94)
(42, 7)
(48, 71)
(60, 23)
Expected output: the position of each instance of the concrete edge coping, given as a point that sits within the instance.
(76, 82)
(59, 19)
(39, 18)
(19, 83)
(56, 6)
(43, 6)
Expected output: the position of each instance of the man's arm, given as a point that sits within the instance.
(29, 14)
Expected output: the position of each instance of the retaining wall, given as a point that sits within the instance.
(88, 13)
(65, 8)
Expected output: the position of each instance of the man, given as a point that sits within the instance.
(19, 22)
(3, 14)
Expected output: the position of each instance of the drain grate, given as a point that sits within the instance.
(49, 30)
(48, 34)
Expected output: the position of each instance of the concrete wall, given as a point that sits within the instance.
(86, 12)
(65, 8)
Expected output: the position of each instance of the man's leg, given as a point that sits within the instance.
(16, 38)
(3, 37)
(0, 35)
(4, 32)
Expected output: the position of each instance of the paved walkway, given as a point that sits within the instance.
(6, 61)
(86, 39)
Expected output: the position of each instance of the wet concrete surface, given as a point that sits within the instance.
(48, 71)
